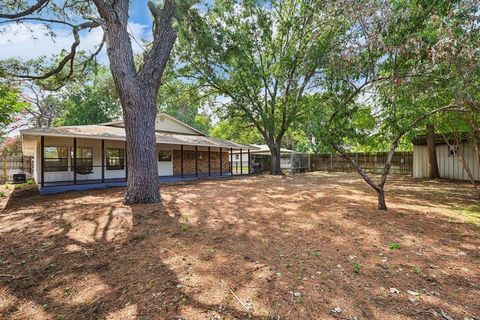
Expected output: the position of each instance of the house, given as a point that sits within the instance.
(261, 155)
(94, 156)
(449, 157)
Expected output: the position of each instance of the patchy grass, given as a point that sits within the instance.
(266, 247)
(394, 246)
(471, 214)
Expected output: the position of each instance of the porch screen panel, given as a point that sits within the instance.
(84, 159)
(55, 159)
(115, 159)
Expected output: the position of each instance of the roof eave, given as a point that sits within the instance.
(228, 145)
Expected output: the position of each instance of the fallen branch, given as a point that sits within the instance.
(233, 293)
(13, 276)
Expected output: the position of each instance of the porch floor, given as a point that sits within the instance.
(63, 186)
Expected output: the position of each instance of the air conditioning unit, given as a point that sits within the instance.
(19, 177)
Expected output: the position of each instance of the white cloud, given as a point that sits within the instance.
(31, 40)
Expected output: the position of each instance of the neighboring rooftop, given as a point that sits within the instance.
(264, 149)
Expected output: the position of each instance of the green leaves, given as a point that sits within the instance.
(90, 103)
(262, 57)
(10, 104)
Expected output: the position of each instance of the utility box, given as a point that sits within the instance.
(19, 177)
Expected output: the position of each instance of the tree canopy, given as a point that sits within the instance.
(10, 105)
(261, 57)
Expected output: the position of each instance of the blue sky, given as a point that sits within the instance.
(29, 41)
(139, 12)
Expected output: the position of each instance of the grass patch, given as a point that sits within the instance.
(357, 268)
(394, 246)
(471, 214)
(314, 253)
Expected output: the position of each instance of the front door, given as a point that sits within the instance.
(165, 163)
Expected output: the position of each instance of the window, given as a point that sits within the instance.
(452, 151)
(115, 159)
(237, 157)
(84, 160)
(55, 159)
(164, 155)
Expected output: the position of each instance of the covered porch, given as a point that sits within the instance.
(65, 163)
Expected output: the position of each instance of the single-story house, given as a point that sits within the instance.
(448, 157)
(94, 156)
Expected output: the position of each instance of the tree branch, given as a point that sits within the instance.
(68, 58)
(36, 7)
(164, 37)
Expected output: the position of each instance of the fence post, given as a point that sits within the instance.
(331, 161)
(4, 170)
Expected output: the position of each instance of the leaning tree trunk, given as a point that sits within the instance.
(432, 153)
(275, 156)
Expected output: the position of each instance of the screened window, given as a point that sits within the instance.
(55, 159)
(164, 155)
(115, 159)
(84, 159)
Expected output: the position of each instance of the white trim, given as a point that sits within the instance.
(181, 123)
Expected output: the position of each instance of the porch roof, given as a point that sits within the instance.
(118, 133)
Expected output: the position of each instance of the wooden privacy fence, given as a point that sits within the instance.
(10, 165)
(402, 162)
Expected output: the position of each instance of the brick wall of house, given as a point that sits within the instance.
(189, 162)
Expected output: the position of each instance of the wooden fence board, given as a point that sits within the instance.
(402, 162)
(10, 165)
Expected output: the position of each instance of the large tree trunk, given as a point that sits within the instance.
(138, 102)
(143, 183)
(138, 90)
(275, 156)
(432, 153)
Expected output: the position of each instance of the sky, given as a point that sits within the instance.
(30, 40)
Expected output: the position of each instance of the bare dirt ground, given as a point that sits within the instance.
(309, 246)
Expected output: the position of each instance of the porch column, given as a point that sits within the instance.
(248, 152)
(241, 162)
(181, 160)
(42, 160)
(231, 161)
(103, 161)
(74, 160)
(209, 167)
(196, 161)
(221, 162)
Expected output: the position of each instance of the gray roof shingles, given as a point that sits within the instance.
(118, 133)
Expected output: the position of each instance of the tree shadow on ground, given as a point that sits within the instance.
(283, 245)
(80, 271)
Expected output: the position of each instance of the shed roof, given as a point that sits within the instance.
(440, 138)
(118, 133)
